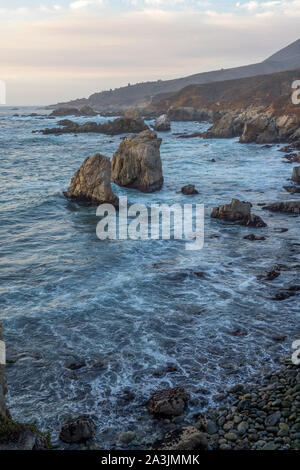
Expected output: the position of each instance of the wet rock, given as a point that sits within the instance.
(238, 212)
(76, 365)
(77, 430)
(271, 275)
(167, 370)
(91, 183)
(187, 438)
(162, 123)
(137, 163)
(290, 207)
(292, 189)
(239, 332)
(253, 237)
(189, 190)
(273, 419)
(279, 339)
(169, 402)
(126, 437)
(296, 174)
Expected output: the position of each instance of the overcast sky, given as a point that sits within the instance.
(55, 50)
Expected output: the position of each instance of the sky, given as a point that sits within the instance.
(53, 51)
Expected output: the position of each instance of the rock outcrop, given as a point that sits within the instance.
(186, 113)
(162, 123)
(65, 111)
(225, 126)
(77, 430)
(137, 163)
(238, 212)
(168, 403)
(185, 439)
(131, 122)
(289, 207)
(91, 183)
(296, 174)
(261, 129)
(189, 190)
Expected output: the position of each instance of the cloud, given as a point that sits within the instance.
(73, 52)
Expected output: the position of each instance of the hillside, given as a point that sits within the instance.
(272, 90)
(145, 93)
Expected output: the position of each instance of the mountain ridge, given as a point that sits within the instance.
(143, 94)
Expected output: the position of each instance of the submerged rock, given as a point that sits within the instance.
(137, 163)
(238, 212)
(254, 238)
(168, 403)
(91, 183)
(162, 123)
(290, 207)
(189, 190)
(77, 430)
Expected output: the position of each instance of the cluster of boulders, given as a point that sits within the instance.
(261, 416)
(254, 125)
(136, 164)
(130, 122)
(238, 212)
(289, 207)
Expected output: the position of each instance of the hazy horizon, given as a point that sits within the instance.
(61, 51)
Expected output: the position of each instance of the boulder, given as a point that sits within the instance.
(168, 403)
(238, 212)
(77, 430)
(184, 439)
(137, 163)
(296, 174)
(91, 183)
(162, 123)
(189, 190)
(290, 207)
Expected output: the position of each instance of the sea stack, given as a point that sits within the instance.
(91, 183)
(296, 174)
(137, 163)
